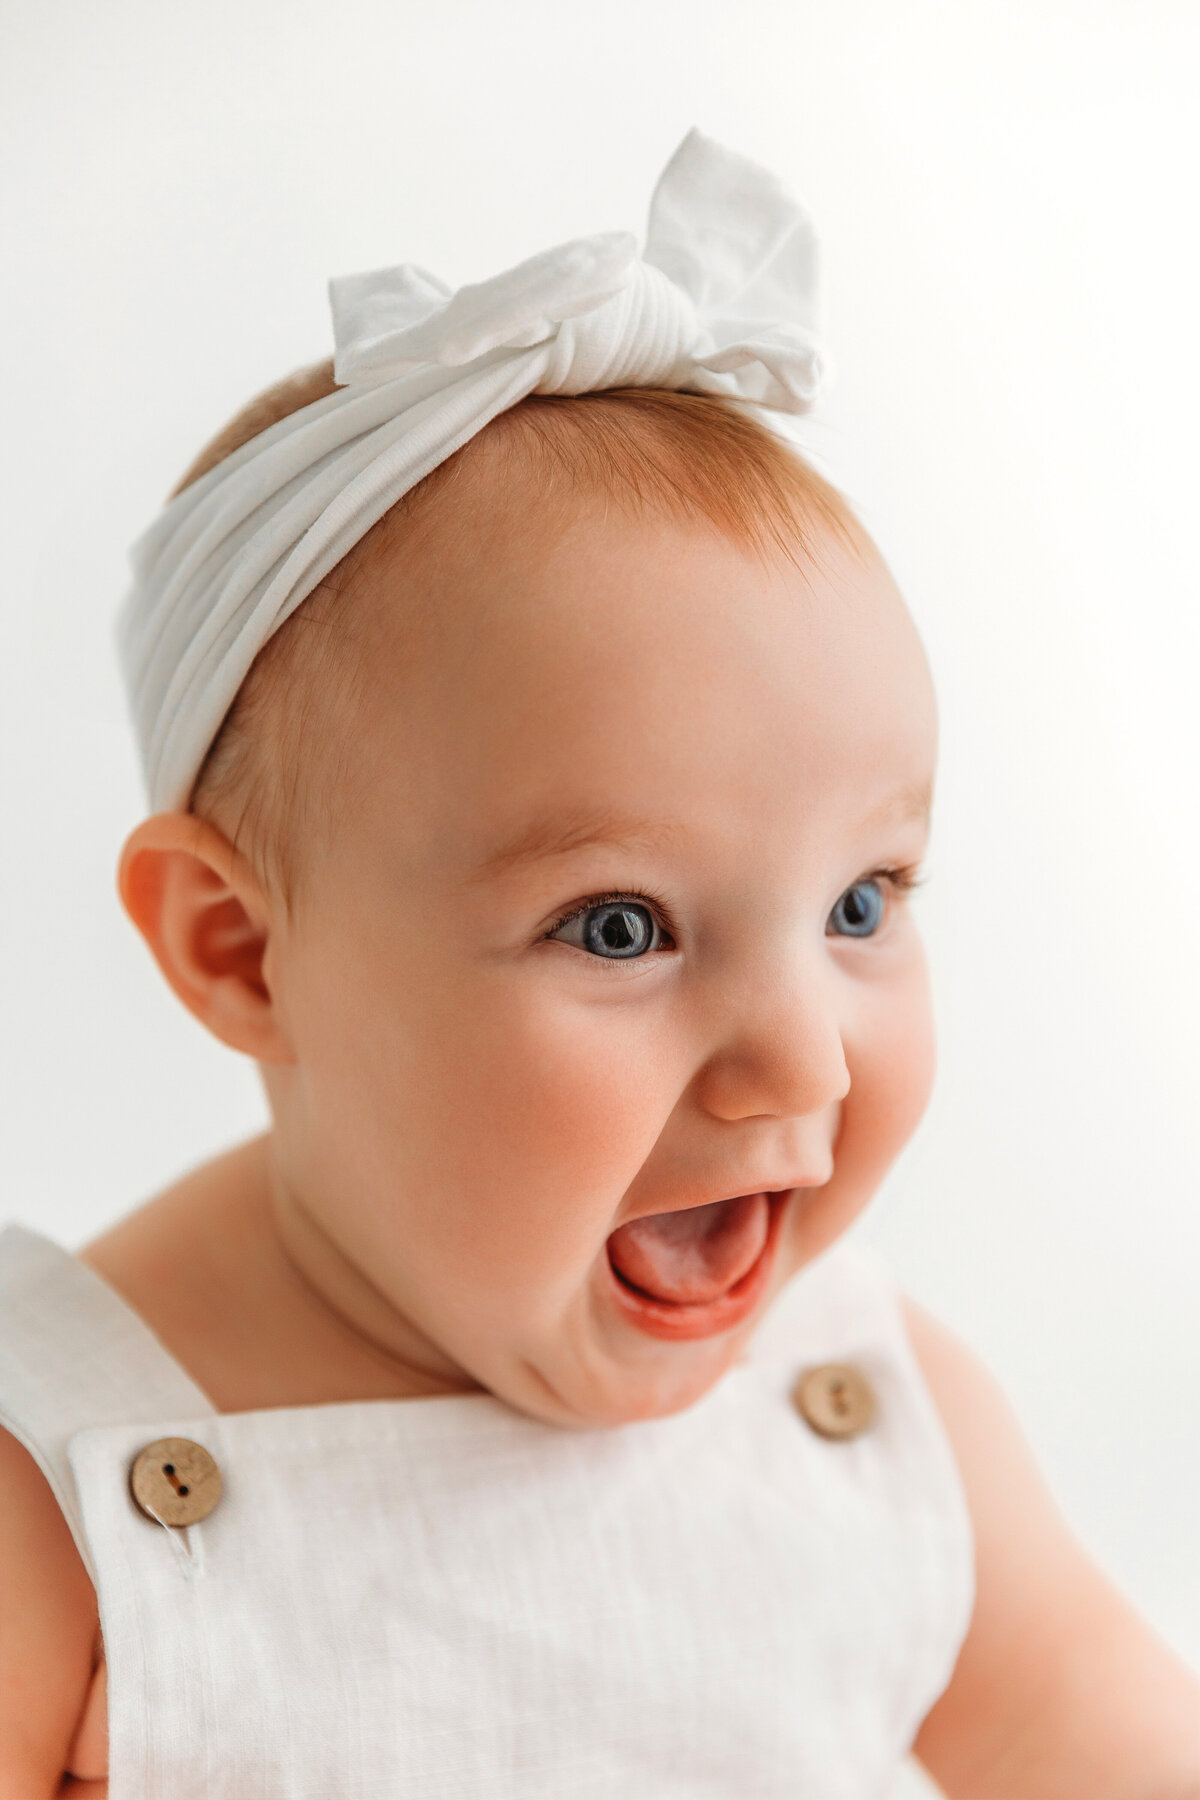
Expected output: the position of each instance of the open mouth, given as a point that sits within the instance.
(699, 1270)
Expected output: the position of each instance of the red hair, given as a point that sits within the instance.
(648, 450)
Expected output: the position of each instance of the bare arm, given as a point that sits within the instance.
(1061, 1692)
(48, 1626)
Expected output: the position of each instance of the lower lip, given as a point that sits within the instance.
(679, 1322)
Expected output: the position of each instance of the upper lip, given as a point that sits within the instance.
(769, 1188)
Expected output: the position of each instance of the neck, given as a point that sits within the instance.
(248, 1292)
(348, 1298)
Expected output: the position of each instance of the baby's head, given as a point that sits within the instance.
(552, 864)
(551, 858)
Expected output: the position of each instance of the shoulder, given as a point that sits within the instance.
(48, 1631)
(1059, 1686)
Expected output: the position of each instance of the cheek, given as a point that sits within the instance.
(892, 1058)
(512, 1115)
(568, 1096)
(899, 1060)
(891, 1053)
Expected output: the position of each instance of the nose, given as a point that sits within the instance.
(781, 1054)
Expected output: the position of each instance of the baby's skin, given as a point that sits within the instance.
(610, 923)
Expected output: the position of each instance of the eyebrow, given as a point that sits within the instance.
(559, 835)
(912, 802)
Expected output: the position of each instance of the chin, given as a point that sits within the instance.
(663, 1379)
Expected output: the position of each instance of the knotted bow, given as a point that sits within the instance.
(723, 300)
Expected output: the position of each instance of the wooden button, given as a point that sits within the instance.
(836, 1400)
(175, 1482)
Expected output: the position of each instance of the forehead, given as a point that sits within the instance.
(523, 673)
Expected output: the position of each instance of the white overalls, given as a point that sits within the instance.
(426, 1599)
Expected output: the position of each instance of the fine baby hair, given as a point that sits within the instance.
(540, 760)
(688, 455)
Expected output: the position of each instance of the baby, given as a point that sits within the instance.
(540, 758)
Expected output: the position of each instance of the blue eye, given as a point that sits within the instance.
(615, 929)
(859, 911)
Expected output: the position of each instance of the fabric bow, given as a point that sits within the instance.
(722, 301)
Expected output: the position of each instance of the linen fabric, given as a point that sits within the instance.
(722, 300)
(444, 1598)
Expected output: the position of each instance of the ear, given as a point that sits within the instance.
(203, 912)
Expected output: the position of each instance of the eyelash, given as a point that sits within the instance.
(650, 901)
(902, 879)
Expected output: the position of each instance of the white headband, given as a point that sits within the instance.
(723, 301)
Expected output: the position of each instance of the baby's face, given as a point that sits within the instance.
(607, 939)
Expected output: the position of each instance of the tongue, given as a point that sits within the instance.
(695, 1255)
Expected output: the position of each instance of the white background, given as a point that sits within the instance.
(1007, 197)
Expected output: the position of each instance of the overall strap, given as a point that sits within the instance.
(73, 1354)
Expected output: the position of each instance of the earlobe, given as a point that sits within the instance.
(202, 911)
